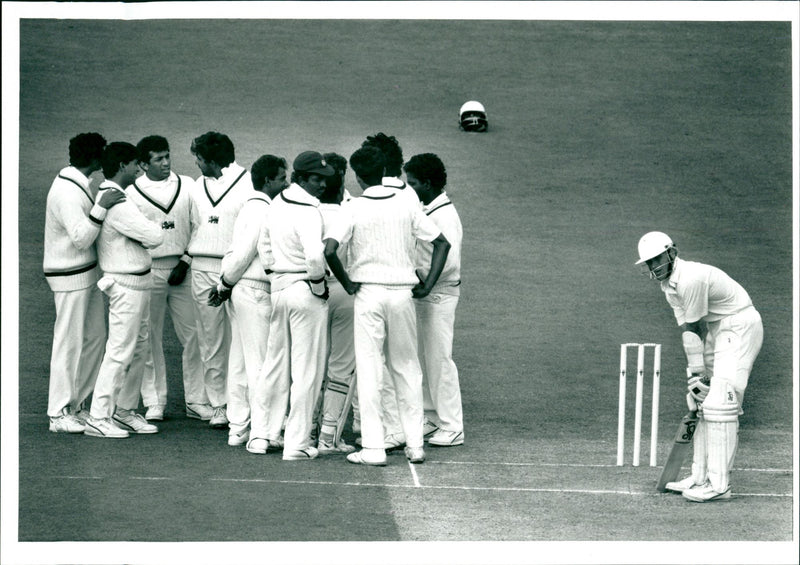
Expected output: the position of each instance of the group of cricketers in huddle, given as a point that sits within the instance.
(292, 300)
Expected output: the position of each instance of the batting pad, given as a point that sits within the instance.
(721, 412)
(699, 467)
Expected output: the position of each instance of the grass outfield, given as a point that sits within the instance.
(599, 132)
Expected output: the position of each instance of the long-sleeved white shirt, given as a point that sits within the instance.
(444, 215)
(381, 228)
(241, 261)
(215, 205)
(168, 203)
(124, 240)
(72, 224)
(331, 216)
(291, 246)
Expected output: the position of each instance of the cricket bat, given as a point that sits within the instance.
(683, 441)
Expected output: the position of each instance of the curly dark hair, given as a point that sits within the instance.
(391, 151)
(85, 148)
(214, 146)
(427, 167)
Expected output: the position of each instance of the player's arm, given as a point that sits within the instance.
(130, 222)
(82, 229)
(335, 264)
(441, 247)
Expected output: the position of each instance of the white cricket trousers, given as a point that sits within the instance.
(295, 363)
(79, 334)
(730, 349)
(183, 311)
(436, 315)
(385, 325)
(119, 381)
(341, 354)
(213, 336)
(250, 309)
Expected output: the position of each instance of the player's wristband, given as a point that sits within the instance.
(186, 258)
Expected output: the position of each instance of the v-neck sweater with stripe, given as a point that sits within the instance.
(167, 203)
(72, 224)
(215, 205)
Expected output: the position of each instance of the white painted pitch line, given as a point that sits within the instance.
(414, 474)
(587, 465)
(440, 487)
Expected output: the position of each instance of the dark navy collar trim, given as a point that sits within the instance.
(166, 210)
(218, 200)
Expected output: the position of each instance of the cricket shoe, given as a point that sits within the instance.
(327, 448)
(260, 445)
(682, 485)
(66, 423)
(391, 442)
(82, 415)
(238, 438)
(415, 454)
(301, 454)
(706, 493)
(428, 429)
(220, 418)
(103, 427)
(155, 413)
(132, 422)
(199, 412)
(443, 438)
(363, 458)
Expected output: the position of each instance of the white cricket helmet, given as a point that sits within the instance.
(472, 116)
(653, 244)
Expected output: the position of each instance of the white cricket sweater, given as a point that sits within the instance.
(72, 224)
(445, 216)
(168, 203)
(215, 205)
(381, 228)
(291, 246)
(241, 263)
(331, 216)
(123, 244)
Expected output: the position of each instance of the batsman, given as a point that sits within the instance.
(722, 335)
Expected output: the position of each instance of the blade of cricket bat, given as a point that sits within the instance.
(683, 441)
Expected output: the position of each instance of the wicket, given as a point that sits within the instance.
(623, 378)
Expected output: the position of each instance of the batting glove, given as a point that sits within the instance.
(699, 385)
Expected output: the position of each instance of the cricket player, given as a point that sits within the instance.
(122, 250)
(245, 282)
(707, 301)
(165, 198)
(72, 224)
(436, 312)
(291, 248)
(381, 230)
(393, 155)
(220, 193)
(339, 382)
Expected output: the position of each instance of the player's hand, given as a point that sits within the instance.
(214, 299)
(178, 273)
(351, 288)
(420, 291)
(110, 197)
(698, 386)
(217, 296)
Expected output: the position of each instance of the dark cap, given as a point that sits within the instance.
(312, 162)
